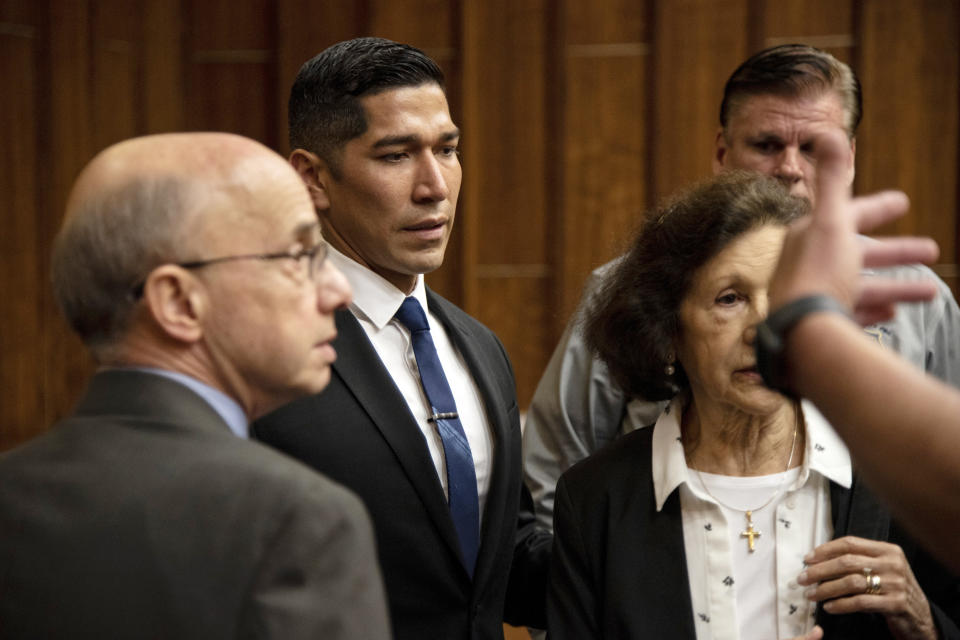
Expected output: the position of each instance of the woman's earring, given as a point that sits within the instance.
(669, 369)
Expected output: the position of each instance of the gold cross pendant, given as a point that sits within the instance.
(750, 533)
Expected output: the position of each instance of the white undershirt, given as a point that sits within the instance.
(375, 301)
(736, 594)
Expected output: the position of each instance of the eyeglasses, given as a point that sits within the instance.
(315, 256)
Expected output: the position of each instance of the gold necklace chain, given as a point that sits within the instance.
(751, 534)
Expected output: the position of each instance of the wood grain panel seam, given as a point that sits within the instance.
(946, 270)
(17, 30)
(827, 41)
(115, 45)
(232, 56)
(440, 53)
(512, 271)
(608, 50)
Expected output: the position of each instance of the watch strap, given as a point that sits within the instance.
(772, 335)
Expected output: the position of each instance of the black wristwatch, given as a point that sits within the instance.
(772, 335)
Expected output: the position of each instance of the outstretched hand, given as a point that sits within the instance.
(823, 254)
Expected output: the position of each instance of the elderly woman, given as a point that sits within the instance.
(738, 514)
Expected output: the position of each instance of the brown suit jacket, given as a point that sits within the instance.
(143, 516)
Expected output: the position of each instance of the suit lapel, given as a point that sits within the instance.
(667, 598)
(856, 512)
(362, 371)
(501, 469)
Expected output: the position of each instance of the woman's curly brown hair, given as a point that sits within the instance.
(634, 323)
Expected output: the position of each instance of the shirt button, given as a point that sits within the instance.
(791, 503)
(792, 584)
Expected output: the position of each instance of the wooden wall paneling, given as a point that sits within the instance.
(909, 63)
(612, 22)
(162, 74)
(67, 142)
(505, 156)
(21, 412)
(116, 53)
(525, 81)
(232, 83)
(427, 24)
(304, 29)
(518, 310)
(697, 44)
(604, 141)
(225, 25)
(825, 24)
(19, 17)
(433, 26)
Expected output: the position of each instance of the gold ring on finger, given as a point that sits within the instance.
(867, 571)
(873, 584)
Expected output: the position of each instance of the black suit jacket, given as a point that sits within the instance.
(143, 516)
(361, 433)
(619, 566)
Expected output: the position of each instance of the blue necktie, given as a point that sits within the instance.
(461, 475)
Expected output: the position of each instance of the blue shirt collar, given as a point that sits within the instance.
(226, 407)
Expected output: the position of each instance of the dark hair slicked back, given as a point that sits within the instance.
(793, 70)
(324, 108)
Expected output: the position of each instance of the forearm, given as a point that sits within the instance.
(902, 427)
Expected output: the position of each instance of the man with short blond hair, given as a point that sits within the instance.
(774, 106)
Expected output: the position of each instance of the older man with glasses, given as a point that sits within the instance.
(148, 512)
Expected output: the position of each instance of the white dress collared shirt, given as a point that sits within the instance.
(375, 301)
(724, 586)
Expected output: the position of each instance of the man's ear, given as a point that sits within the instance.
(176, 301)
(720, 152)
(315, 174)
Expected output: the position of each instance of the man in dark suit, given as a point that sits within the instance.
(374, 142)
(192, 267)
